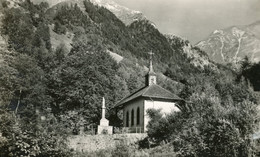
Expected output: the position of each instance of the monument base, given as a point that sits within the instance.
(105, 130)
(104, 122)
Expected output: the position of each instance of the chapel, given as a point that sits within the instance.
(135, 105)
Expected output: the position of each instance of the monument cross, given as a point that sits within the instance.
(103, 109)
(104, 127)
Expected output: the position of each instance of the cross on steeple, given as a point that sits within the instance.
(151, 55)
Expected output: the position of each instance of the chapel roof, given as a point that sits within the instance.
(152, 91)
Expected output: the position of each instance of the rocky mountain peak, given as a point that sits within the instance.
(231, 45)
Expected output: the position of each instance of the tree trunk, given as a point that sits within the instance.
(18, 103)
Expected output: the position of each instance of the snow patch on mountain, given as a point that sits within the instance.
(221, 48)
(218, 32)
(237, 32)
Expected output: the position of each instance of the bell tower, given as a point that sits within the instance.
(151, 75)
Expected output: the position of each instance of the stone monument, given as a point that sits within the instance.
(104, 127)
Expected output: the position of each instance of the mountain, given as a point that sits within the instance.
(138, 23)
(51, 2)
(82, 26)
(134, 40)
(232, 44)
(195, 56)
(127, 16)
(70, 28)
(67, 56)
(107, 24)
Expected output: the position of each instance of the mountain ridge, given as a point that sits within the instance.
(126, 15)
(232, 44)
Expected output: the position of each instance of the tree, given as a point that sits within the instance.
(59, 28)
(211, 123)
(8, 80)
(251, 73)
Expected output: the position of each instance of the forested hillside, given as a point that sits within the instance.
(56, 67)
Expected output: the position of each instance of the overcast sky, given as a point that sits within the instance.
(196, 19)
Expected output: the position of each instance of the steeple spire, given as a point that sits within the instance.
(151, 76)
(151, 61)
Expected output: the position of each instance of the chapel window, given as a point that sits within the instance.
(138, 116)
(127, 119)
(132, 117)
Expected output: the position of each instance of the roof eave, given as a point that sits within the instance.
(173, 99)
(122, 104)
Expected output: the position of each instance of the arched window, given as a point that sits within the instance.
(138, 116)
(132, 117)
(127, 119)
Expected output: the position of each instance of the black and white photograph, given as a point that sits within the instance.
(129, 78)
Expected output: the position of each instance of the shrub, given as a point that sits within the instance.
(210, 129)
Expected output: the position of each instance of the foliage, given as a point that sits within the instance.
(26, 30)
(121, 150)
(8, 81)
(251, 72)
(158, 126)
(166, 150)
(23, 85)
(211, 124)
(54, 92)
(81, 80)
(58, 28)
(24, 133)
(37, 138)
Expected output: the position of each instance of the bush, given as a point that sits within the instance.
(121, 150)
(209, 129)
(31, 139)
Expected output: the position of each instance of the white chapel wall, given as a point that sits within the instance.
(166, 107)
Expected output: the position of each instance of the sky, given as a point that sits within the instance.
(196, 19)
